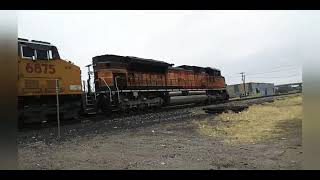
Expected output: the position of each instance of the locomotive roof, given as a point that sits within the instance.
(35, 44)
(130, 60)
(179, 69)
(197, 68)
(39, 45)
(143, 64)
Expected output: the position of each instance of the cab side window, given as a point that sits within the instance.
(42, 54)
(27, 52)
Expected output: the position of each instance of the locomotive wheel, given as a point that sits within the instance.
(103, 105)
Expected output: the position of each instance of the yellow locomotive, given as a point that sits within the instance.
(39, 66)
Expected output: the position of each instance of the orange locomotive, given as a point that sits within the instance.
(124, 82)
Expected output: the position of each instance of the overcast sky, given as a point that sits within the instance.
(266, 45)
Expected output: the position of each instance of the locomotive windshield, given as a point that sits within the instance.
(37, 50)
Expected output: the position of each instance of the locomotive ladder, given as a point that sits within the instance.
(102, 78)
(90, 104)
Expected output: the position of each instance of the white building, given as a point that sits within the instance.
(252, 89)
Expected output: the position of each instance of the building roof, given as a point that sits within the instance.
(251, 83)
(290, 84)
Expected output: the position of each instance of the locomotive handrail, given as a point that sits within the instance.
(170, 82)
(117, 88)
(108, 87)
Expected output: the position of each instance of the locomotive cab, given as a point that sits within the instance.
(39, 67)
(37, 50)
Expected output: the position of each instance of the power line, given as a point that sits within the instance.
(271, 72)
(282, 77)
(279, 76)
(274, 69)
(285, 66)
(267, 76)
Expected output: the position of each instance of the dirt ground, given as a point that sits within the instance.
(266, 136)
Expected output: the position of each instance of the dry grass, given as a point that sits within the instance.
(257, 123)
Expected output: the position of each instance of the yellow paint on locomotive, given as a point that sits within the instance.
(37, 77)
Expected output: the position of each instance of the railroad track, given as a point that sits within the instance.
(101, 117)
(261, 97)
(231, 106)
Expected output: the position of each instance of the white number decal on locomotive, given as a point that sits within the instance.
(30, 68)
(75, 87)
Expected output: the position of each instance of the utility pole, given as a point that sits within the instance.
(89, 78)
(243, 78)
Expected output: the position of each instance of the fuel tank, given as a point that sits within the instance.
(180, 93)
(175, 100)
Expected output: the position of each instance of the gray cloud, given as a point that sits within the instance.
(233, 41)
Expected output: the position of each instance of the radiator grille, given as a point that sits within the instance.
(31, 84)
(51, 84)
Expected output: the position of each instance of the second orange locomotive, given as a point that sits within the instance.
(127, 82)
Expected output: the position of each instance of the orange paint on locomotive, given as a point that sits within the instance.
(171, 77)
